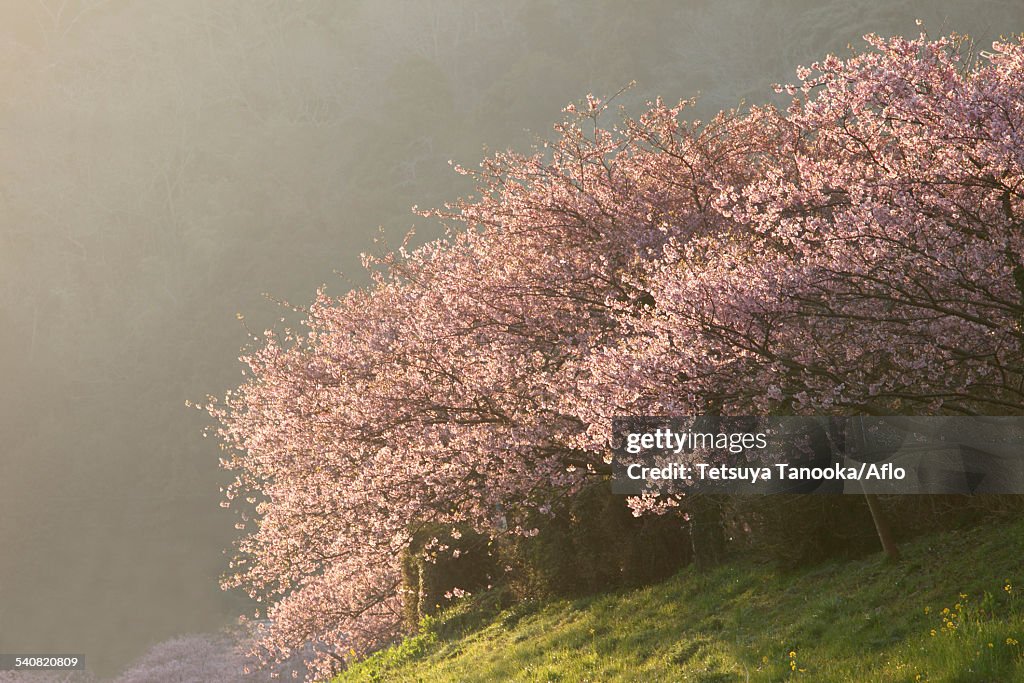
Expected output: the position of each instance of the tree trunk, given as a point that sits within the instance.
(892, 551)
(882, 528)
(707, 536)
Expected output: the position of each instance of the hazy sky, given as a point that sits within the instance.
(163, 164)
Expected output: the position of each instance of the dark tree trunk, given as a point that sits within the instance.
(892, 551)
(707, 537)
(882, 528)
(706, 533)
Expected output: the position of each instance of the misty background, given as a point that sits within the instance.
(165, 164)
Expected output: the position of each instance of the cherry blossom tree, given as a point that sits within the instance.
(859, 252)
(879, 268)
(194, 659)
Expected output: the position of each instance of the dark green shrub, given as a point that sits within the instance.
(429, 574)
(591, 543)
(793, 530)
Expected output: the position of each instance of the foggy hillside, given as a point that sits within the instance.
(164, 164)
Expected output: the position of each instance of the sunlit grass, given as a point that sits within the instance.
(949, 611)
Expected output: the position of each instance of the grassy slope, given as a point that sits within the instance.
(862, 620)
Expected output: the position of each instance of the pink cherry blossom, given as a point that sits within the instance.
(859, 252)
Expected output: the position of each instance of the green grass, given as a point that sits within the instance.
(863, 620)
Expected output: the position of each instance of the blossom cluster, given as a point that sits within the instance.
(860, 251)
